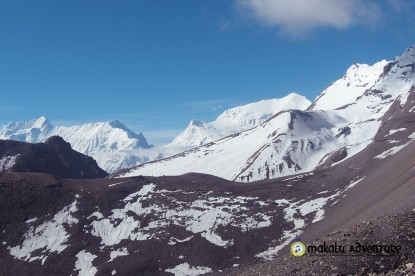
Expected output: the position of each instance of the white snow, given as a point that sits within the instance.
(117, 253)
(115, 184)
(294, 212)
(84, 264)
(112, 144)
(351, 185)
(96, 214)
(357, 79)
(50, 236)
(185, 269)
(392, 151)
(173, 240)
(237, 119)
(7, 162)
(202, 217)
(392, 131)
(346, 115)
(31, 220)
(111, 232)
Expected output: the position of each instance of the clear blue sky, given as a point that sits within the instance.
(155, 65)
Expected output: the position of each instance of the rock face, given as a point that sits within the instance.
(347, 116)
(55, 157)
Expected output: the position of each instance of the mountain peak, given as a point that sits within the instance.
(407, 57)
(98, 140)
(196, 123)
(41, 122)
(118, 124)
(58, 142)
(237, 119)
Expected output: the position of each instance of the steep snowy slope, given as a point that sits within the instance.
(339, 124)
(237, 119)
(353, 84)
(93, 139)
(290, 142)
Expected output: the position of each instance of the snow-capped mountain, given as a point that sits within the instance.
(359, 154)
(341, 122)
(236, 120)
(99, 140)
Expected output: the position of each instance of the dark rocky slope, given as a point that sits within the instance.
(55, 157)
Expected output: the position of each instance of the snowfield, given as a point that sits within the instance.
(340, 123)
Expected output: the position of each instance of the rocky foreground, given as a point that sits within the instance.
(397, 230)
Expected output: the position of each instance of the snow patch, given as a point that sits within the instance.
(119, 252)
(292, 212)
(392, 131)
(185, 269)
(351, 185)
(391, 151)
(115, 184)
(202, 216)
(50, 236)
(173, 240)
(7, 162)
(84, 264)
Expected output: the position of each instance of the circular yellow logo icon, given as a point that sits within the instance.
(298, 249)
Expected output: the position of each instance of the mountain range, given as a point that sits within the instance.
(236, 120)
(116, 147)
(342, 121)
(105, 141)
(340, 170)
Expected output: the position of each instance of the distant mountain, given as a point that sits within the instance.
(353, 185)
(237, 119)
(341, 122)
(55, 157)
(100, 140)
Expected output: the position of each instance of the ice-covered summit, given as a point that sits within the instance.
(342, 121)
(237, 119)
(92, 139)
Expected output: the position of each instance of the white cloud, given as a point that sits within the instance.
(300, 17)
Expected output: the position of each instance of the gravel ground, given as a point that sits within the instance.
(397, 230)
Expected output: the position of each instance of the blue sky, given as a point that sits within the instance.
(155, 65)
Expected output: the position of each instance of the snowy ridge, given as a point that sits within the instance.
(107, 142)
(236, 120)
(357, 79)
(341, 122)
(291, 142)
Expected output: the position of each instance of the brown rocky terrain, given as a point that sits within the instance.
(396, 230)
